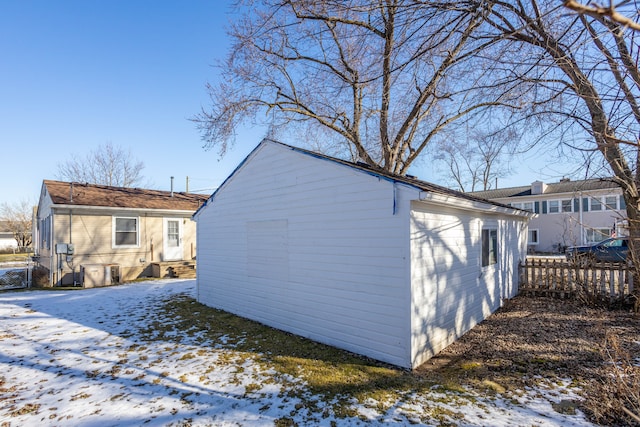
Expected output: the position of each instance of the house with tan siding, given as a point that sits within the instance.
(387, 266)
(95, 235)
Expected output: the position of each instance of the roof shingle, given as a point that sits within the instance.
(78, 194)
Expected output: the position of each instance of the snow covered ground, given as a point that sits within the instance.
(79, 358)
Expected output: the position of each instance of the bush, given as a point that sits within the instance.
(615, 401)
(40, 277)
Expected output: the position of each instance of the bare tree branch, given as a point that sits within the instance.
(18, 218)
(597, 11)
(107, 165)
(384, 78)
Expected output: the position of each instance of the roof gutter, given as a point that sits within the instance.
(120, 209)
(470, 205)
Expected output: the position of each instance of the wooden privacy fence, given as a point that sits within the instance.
(607, 283)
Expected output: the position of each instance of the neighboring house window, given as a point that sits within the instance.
(610, 203)
(554, 206)
(566, 205)
(45, 232)
(489, 247)
(596, 204)
(533, 237)
(527, 206)
(597, 234)
(125, 231)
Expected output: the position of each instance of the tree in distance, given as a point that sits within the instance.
(107, 165)
(476, 157)
(18, 218)
(377, 82)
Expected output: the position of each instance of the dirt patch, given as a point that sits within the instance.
(538, 337)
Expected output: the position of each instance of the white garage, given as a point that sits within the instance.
(386, 266)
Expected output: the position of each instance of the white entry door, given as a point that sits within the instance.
(172, 244)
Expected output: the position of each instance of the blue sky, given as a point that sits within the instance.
(75, 75)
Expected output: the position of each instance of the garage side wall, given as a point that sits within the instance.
(311, 247)
(451, 290)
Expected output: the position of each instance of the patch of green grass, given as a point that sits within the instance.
(332, 375)
(326, 381)
(23, 257)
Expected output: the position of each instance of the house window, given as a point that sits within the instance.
(528, 206)
(45, 232)
(566, 205)
(125, 232)
(597, 234)
(610, 203)
(516, 205)
(596, 204)
(533, 237)
(554, 206)
(489, 247)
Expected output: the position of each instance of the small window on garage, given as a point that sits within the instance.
(125, 232)
(489, 247)
(533, 237)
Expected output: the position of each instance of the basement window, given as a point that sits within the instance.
(489, 247)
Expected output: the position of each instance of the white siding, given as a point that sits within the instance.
(451, 291)
(340, 246)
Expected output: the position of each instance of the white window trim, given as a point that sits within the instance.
(570, 206)
(537, 242)
(113, 232)
(598, 229)
(599, 199)
(615, 203)
(497, 249)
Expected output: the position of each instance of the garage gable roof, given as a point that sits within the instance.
(92, 195)
(408, 180)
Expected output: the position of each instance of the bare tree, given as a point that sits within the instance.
(476, 158)
(381, 79)
(584, 78)
(611, 11)
(107, 165)
(18, 218)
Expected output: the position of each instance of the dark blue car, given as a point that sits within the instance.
(613, 249)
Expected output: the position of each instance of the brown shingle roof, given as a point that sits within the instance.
(67, 193)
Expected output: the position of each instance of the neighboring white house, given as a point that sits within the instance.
(7, 240)
(569, 212)
(386, 266)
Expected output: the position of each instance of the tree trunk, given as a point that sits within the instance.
(633, 218)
